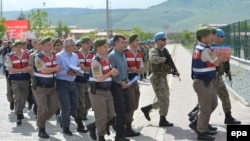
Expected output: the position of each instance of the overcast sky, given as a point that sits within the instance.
(17, 5)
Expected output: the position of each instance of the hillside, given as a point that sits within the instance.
(172, 15)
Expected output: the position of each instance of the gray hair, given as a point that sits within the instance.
(68, 41)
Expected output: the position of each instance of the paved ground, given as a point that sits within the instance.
(182, 100)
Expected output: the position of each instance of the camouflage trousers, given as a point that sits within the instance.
(146, 66)
(161, 89)
(223, 94)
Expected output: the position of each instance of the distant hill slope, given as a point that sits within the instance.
(172, 15)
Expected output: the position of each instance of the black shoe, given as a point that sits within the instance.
(231, 120)
(164, 123)
(84, 117)
(204, 136)
(209, 132)
(194, 109)
(92, 132)
(131, 133)
(30, 106)
(193, 125)
(212, 128)
(193, 115)
(19, 119)
(81, 128)
(12, 105)
(101, 138)
(59, 120)
(121, 139)
(146, 111)
(67, 132)
(42, 133)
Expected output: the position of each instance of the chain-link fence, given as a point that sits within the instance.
(237, 35)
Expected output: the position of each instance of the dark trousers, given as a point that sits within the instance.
(68, 97)
(121, 104)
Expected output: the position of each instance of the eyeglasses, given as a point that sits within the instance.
(164, 39)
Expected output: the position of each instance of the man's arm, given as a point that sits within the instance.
(155, 58)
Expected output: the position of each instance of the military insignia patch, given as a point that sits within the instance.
(96, 68)
(39, 64)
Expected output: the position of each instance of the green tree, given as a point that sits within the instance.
(61, 29)
(39, 23)
(3, 28)
(142, 35)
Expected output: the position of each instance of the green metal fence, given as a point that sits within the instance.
(237, 35)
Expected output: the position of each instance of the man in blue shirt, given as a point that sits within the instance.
(65, 84)
(119, 86)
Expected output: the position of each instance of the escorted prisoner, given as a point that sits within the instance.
(65, 84)
(135, 66)
(17, 66)
(44, 85)
(100, 94)
(158, 79)
(120, 86)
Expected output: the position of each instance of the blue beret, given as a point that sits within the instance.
(78, 43)
(111, 41)
(160, 35)
(219, 32)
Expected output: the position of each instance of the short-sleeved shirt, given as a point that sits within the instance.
(8, 63)
(39, 63)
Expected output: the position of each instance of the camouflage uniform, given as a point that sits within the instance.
(145, 60)
(159, 80)
(221, 89)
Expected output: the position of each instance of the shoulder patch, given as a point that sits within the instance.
(39, 64)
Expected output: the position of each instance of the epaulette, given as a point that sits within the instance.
(40, 54)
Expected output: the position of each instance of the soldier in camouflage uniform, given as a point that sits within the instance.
(220, 85)
(141, 48)
(145, 59)
(158, 79)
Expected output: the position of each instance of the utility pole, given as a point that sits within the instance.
(107, 18)
(1, 9)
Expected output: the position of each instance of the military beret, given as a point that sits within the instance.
(84, 39)
(16, 43)
(160, 35)
(45, 39)
(219, 32)
(213, 31)
(23, 42)
(100, 42)
(111, 41)
(55, 41)
(132, 37)
(203, 31)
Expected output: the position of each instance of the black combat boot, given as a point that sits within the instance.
(193, 125)
(81, 127)
(204, 136)
(164, 123)
(193, 115)
(194, 109)
(19, 119)
(12, 105)
(230, 120)
(92, 132)
(141, 77)
(146, 111)
(101, 138)
(42, 133)
(130, 132)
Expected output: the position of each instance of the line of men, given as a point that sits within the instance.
(67, 74)
(57, 85)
